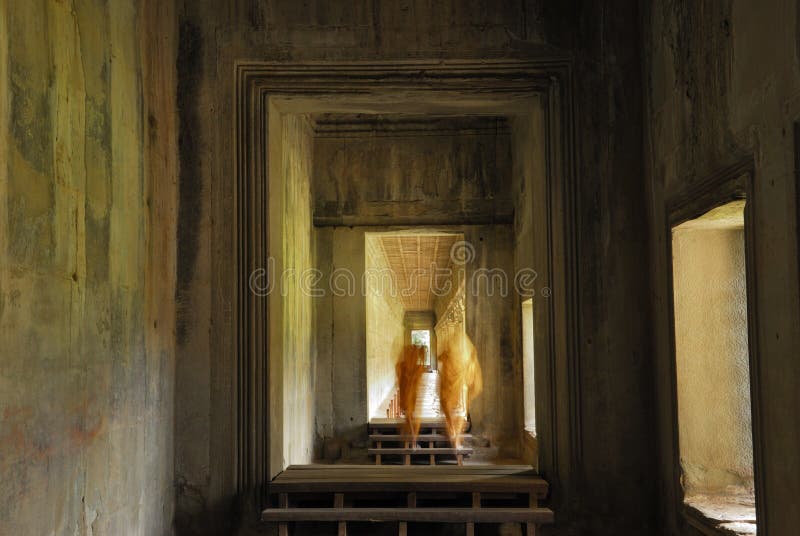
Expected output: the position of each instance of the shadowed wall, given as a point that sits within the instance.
(720, 88)
(613, 478)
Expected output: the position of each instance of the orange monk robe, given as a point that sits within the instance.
(409, 369)
(460, 381)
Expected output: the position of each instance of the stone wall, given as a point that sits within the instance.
(341, 379)
(297, 300)
(488, 311)
(530, 242)
(421, 171)
(611, 482)
(722, 84)
(385, 331)
(87, 266)
(715, 433)
(449, 307)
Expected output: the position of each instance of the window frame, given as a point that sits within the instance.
(732, 183)
(527, 326)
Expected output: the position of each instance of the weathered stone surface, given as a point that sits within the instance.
(722, 83)
(379, 170)
(298, 302)
(385, 332)
(95, 353)
(613, 478)
(86, 285)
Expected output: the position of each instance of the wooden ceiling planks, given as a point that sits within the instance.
(412, 258)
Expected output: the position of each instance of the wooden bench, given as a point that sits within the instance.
(512, 493)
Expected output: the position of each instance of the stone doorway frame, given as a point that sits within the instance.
(732, 183)
(541, 87)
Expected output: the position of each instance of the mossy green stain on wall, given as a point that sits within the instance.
(30, 120)
(30, 190)
(93, 23)
(86, 430)
(97, 247)
(30, 67)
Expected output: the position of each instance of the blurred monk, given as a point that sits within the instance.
(409, 369)
(460, 381)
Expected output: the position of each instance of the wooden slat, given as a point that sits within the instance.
(412, 475)
(476, 503)
(407, 254)
(421, 437)
(412, 503)
(382, 423)
(405, 473)
(422, 515)
(338, 503)
(530, 528)
(362, 467)
(283, 528)
(393, 487)
(466, 451)
(398, 478)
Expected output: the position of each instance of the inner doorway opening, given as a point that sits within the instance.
(412, 290)
(515, 206)
(402, 188)
(422, 338)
